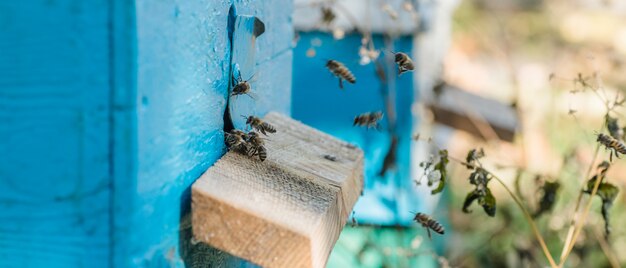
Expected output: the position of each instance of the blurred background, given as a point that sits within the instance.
(111, 109)
(527, 81)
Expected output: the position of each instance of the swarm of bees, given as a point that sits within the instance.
(369, 120)
(341, 72)
(250, 143)
(429, 223)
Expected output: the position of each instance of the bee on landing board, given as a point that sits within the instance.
(428, 223)
(259, 125)
(256, 146)
(404, 62)
(236, 140)
(340, 71)
(369, 120)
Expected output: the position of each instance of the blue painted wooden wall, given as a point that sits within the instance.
(318, 101)
(55, 108)
(109, 110)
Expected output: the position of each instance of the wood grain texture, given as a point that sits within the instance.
(287, 211)
(123, 130)
(54, 125)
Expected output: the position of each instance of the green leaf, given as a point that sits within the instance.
(613, 127)
(441, 167)
(479, 177)
(489, 203)
(473, 156)
(469, 199)
(548, 198)
(607, 192)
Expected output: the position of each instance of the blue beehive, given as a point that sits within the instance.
(109, 110)
(358, 28)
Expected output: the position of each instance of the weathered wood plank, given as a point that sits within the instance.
(462, 110)
(287, 211)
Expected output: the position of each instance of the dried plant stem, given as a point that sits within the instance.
(606, 248)
(570, 232)
(569, 246)
(530, 220)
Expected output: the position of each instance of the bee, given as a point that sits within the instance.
(236, 140)
(256, 146)
(340, 71)
(428, 223)
(369, 120)
(354, 223)
(404, 62)
(328, 16)
(259, 125)
(615, 145)
(241, 87)
(330, 157)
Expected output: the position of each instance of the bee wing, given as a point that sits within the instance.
(236, 75)
(252, 95)
(253, 78)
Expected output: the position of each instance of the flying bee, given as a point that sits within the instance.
(340, 71)
(404, 62)
(259, 125)
(428, 223)
(369, 120)
(328, 16)
(241, 87)
(236, 140)
(256, 146)
(613, 144)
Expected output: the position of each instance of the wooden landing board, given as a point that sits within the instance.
(287, 211)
